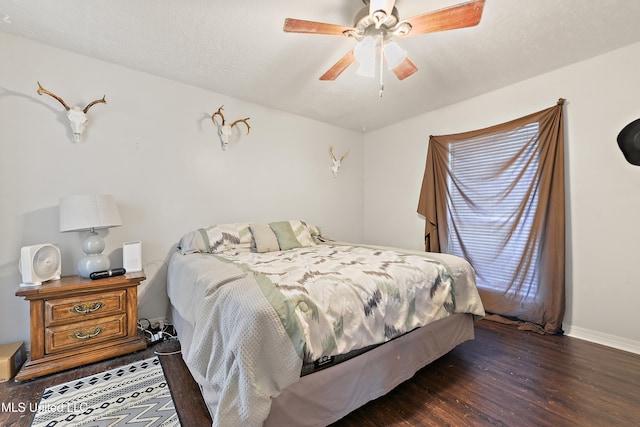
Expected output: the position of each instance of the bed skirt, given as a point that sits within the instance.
(323, 397)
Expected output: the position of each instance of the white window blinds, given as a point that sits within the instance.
(491, 179)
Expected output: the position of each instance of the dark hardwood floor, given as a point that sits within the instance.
(505, 377)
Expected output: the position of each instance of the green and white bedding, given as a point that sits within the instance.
(257, 316)
(349, 297)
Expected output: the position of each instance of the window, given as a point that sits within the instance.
(482, 206)
(495, 197)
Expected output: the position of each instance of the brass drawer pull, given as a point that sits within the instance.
(84, 309)
(84, 335)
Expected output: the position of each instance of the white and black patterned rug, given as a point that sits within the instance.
(133, 395)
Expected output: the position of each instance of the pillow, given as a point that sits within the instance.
(218, 238)
(314, 231)
(265, 238)
(192, 242)
(292, 234)
(303, 233)
(285, 235)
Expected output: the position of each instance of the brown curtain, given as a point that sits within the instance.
(545, 310)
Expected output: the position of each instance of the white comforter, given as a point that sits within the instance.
(253, 329)
(228, 310)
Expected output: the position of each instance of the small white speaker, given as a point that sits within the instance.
(132, 256)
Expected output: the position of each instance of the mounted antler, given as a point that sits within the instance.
(335, 163)
(103, 100)
(242, 121)
(77, 116)
(224, 130)
(42, 90)
(218, 113)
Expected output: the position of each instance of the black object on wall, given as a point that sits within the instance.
(629, 142)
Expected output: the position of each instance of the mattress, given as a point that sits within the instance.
(324, 397)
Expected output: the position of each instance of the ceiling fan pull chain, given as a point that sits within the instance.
(381, 63)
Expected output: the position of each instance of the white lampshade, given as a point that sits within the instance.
(394, 54)
(90, 212)
(365, 53)
(87, 212)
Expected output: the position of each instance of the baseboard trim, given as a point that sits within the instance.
(604, 339)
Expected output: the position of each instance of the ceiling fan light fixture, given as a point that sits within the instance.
(394, 54)
(365, 53)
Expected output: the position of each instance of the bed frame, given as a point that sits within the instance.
(325, 396)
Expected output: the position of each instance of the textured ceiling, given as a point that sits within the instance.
(238, 48)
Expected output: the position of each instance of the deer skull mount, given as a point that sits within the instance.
(335, 162)
(77, 116)
(224, 130)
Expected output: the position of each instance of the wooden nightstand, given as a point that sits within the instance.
(75, 321)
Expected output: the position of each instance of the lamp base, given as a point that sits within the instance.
(94, 260)
(91, 263)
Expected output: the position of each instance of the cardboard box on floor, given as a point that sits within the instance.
(12, 356)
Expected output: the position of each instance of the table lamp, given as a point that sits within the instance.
(90, 212)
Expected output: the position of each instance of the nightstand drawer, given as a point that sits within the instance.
(66, 310)
(72, 336)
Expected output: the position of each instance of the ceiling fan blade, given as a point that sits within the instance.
(292, 25)
(344, 62)
(405, 69)
(459, 16)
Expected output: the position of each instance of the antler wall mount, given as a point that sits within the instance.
(225, 130)
(77, 116)
(335, 162)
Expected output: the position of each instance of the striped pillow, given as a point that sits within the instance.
(218, 238)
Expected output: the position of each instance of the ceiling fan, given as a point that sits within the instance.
(377, 24)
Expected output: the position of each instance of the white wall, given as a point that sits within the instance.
(154, 148)
(603, 190)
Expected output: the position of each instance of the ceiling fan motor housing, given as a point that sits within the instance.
(387, 25)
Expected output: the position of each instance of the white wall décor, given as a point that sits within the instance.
(335, 162)
(224, 130)
(77, 116)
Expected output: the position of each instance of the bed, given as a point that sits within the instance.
(281, 326)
